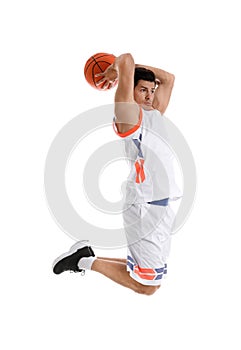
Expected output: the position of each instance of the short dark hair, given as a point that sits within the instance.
(142, 73)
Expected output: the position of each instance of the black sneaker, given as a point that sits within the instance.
(69, 261)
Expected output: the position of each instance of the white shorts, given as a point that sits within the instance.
(148, 232)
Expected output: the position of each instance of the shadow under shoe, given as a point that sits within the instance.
(69, 261)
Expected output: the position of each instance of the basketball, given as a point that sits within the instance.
(96, 64)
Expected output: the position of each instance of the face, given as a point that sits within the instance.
(144, 93)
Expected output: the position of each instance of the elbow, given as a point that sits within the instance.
(127, 60)
(170, 79)
(128, 56)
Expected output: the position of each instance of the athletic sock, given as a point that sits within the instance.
(86, 263)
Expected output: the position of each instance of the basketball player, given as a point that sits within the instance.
(142, 96)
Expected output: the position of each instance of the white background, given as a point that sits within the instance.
(44, 45)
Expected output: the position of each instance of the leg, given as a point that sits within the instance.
(123, 261)
(116, 271)
(81, 257)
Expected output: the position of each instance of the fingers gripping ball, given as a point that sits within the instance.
(97, 64)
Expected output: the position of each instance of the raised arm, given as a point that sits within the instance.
(165, 82)
(127, 110)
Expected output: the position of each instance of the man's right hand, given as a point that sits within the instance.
(110, 77)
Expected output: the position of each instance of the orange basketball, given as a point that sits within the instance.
(97, 63)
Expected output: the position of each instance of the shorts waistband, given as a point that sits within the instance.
(161, 202)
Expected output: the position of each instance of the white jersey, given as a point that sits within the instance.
(152, 175)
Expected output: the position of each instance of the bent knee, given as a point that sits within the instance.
(147, 290)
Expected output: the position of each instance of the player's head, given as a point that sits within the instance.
(142, 73)
(144, 86)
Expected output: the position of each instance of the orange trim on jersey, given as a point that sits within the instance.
(140, 173)
(132, 130)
